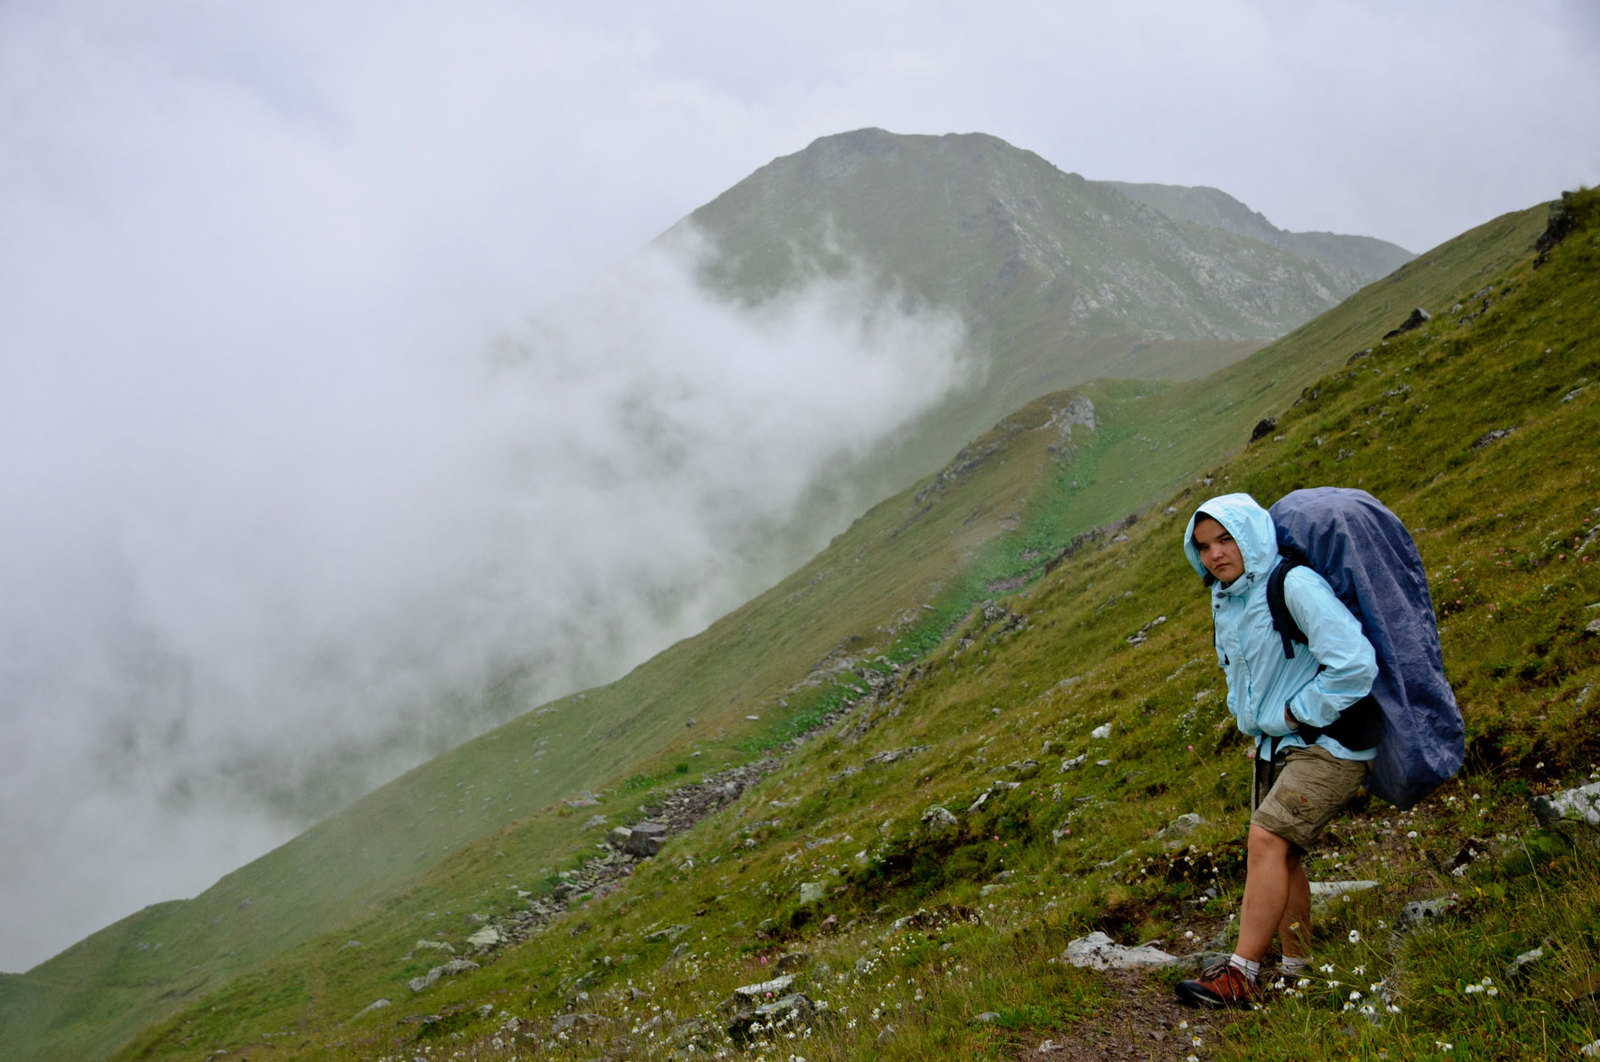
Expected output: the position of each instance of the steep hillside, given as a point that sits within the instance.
(1216, 209)
(1060, 763)
(794, 657)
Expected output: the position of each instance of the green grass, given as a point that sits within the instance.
(988, 699)
(414, 860)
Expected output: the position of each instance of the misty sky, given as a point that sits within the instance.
(311, 407)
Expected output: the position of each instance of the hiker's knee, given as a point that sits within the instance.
(1263, 844)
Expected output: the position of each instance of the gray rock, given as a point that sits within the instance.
(669, 933)
(645, 839)
(618, 837)
(1173, 833)
(778, 986)
(811, 892)
(1099, 952)
(376, 1004)
(449, 969)
(568, 1023)
(939, 821)
(487, 937)
(1518, 968)
(793, 960)
(1415, 320)
(988, 1017)
(594, 820)
(1421, 912)
(789, 1010)
(1580, 805)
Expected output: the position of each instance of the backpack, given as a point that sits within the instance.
(1366, 554)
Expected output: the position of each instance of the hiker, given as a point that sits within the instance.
(1280, 701)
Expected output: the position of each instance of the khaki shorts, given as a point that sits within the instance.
(1297, 794)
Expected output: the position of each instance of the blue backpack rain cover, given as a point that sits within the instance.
(1368, 557)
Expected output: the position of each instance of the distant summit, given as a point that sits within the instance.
(971, 221)
(1060, 279)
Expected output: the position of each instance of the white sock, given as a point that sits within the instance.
(1251, 969)
(1294, 966)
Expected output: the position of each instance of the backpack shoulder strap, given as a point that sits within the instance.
(1282, 620)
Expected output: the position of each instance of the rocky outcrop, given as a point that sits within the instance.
(1580, 806)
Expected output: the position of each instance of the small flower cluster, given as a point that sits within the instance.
(1485, 987)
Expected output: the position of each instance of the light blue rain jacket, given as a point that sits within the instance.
(1325, 676)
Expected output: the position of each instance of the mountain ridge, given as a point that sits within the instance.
(722, 699)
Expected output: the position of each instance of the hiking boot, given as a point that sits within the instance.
(1221, 985)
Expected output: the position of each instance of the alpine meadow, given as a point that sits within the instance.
(881, 809)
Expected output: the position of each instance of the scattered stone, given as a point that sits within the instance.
(350, 944)
(618, 837)
(645, 839)
(793, 960)
(1518, 967)
(776, 987)
(585, 799)
(567, 1023)
(376, 1004)
(487, 937)
(1140, 636)
(791, 1008)
(595, 820)
(1099, 952)
(811, 892)
(988, 1017)
(1417, 319)
(1421, 912)
(1076, 761)
(1327, 890)
(1492, 437)
(1580, 805)
(436, 945)
(671, 933)
(1100, 733)
(449, 969)
(1172, 833)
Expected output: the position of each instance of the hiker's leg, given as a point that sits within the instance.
(1294, 929)
(1266, 892)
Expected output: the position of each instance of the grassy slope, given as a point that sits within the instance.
(318, 983)
(1509, 532)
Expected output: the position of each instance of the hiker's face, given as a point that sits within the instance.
(1218, 551)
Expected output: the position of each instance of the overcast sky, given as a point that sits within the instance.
(276, 428)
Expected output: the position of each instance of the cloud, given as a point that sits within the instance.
(288, 462)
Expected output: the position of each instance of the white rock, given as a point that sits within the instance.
(1578, 805)
(1327, 890)
(1100, 733)
(1099, 952)
(487, 937)
(778, 986)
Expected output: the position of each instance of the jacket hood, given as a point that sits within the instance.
(1249, 524)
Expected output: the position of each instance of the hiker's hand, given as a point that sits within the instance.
(1288, 718)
